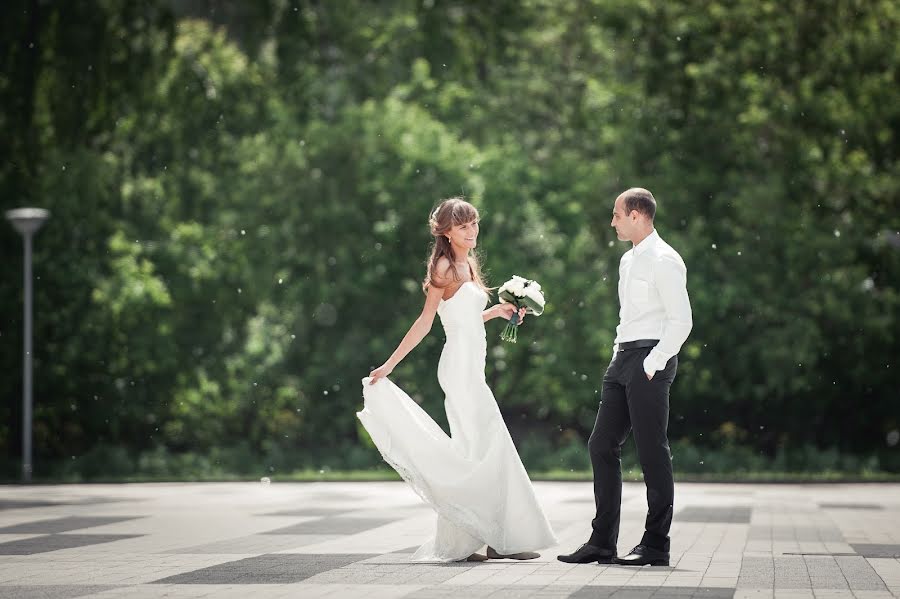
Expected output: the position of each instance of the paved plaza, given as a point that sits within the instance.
(341, 540)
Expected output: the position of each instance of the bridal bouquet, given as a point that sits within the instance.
(521, 293)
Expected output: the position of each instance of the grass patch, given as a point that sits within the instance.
(310, 475)
(544, 461)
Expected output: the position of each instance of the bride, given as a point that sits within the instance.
(474, 478)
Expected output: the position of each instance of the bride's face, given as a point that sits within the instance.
(465, 235)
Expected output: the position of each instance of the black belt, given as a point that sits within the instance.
(638, 344)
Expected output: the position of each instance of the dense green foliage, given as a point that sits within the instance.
(239, 201)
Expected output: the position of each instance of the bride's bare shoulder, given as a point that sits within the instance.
(442, 274)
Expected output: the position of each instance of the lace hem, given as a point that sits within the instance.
(459, 516)
(479, 527)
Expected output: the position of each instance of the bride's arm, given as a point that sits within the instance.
(413, 336)
(504, 311)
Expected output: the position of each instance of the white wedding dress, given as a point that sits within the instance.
(474, 478)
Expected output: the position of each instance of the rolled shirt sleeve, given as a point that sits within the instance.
(670, 277)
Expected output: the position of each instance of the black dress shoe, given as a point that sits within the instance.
(643, 556)
(587, 554)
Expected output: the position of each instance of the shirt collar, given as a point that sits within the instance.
(648, 241)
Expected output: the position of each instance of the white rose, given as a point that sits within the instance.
(535, 295)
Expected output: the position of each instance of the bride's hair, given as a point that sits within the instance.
(451, 212)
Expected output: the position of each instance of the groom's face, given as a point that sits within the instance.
(621, 222)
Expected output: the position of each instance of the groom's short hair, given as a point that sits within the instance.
(640, 199)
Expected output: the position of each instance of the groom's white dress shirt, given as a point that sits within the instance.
(653, 300)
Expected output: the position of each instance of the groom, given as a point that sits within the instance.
(654, 321)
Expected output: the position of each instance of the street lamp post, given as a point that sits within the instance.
(27, 221)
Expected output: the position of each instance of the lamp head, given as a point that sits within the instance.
(27, 220)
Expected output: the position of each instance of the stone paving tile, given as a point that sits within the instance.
(825, 573)
(791, 573)
(142, 592)
(265, 543)
(58, 525)
(644, 592)
(46, 543)
(757, 573)
(876, 550)
(859, 574)
(12, 504)
(7, 504)
(310, 511)
(796, 533)
(335, 526)
(888, 570)
(325, 497)
(735, 515)
(53, 591)
(269, 569)
(760, 541)
(492, 591)
(833, 594)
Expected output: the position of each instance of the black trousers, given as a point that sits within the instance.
(629, 402)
